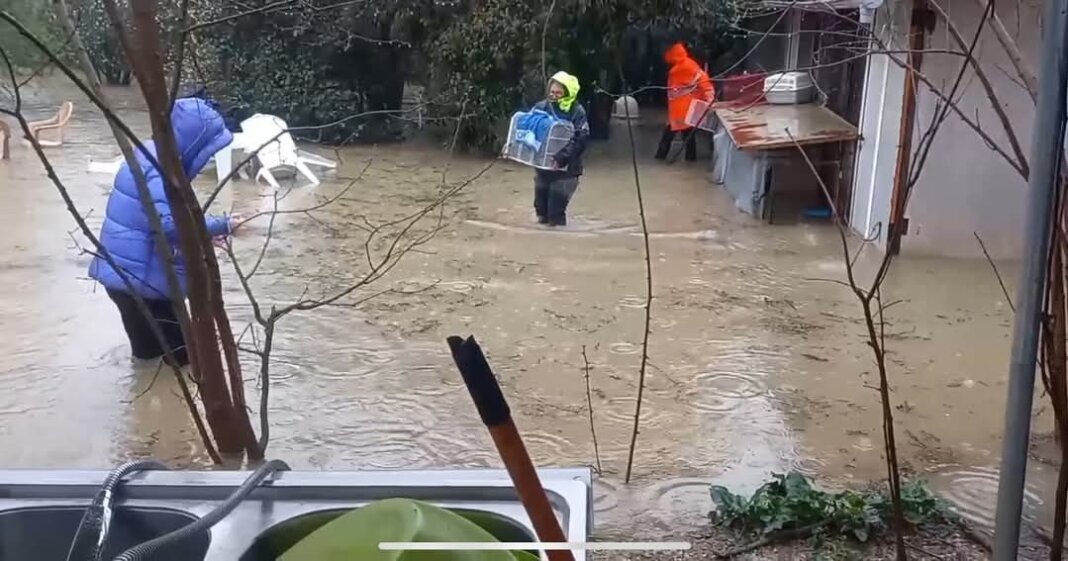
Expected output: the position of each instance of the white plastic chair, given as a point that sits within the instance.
(110, 167)
(57, 123)
(223, 162)
(259, 130)
(224, 158)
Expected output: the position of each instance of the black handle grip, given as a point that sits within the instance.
(480, 381)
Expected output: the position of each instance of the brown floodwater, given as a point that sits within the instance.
(758, 363)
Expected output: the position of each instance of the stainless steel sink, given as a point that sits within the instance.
(279, 512)
(46, 533)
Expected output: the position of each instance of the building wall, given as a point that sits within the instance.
(965, 187)
(880, 120)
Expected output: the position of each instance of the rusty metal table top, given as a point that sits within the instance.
(764, 126)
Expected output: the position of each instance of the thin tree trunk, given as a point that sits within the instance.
(1057, 369)
(250, 442)
(92, 79)
(202, 338)
(890, 440)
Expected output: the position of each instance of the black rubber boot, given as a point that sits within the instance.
(558, 208)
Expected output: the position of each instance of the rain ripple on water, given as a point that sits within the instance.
(548, 449)
(621, 410)
(459, 286)
(637, 302)
(624, 348)
(451, 449)
(605, 495)
(684, 499)
(973, 492)
(352, 364)
(718, 392)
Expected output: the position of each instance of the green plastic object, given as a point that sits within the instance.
(356, 535)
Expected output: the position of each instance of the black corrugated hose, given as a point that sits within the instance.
(144, 552)
(92, 534)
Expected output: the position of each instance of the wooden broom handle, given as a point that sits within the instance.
(495, 413)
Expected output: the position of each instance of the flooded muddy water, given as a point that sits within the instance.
(758, 362)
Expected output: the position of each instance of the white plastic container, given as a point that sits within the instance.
(789, 88)
(700, 116)
(626, 107)
(560, 134)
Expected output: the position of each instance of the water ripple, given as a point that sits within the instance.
(717, 392)
(684, 499)
(452, 450)
(664, 323)
(547, 448)
(621, 410)
(358, 363)
(624, 348)
(459, 286)
(973, 492)
(637, 302)
(605, 495)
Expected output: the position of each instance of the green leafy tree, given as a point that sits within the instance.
(319, 62)
(322, 62)
(37, 16)
(490, 61)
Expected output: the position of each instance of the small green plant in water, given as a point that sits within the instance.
(790, 504)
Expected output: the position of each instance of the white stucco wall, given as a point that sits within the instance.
(965, 187)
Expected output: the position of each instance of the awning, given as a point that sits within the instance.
(867, 7)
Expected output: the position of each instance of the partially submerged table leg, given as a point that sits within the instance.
(224, 163)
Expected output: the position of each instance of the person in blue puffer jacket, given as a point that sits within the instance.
(200, 132)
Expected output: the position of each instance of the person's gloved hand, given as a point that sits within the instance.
(235, 220)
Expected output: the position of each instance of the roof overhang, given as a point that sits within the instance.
(867, 7)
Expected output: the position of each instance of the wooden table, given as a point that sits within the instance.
(764, 139)
(764, 127)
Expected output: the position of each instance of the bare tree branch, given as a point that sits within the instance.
(1023, 68)
(990, 260)
(589, 408)
(991, 94)
(647, 327)
(105, 254)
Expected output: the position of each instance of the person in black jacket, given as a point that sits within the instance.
(553, 189)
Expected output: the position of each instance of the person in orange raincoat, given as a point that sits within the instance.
(686, 82)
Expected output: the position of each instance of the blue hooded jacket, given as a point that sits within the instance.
(126, 233)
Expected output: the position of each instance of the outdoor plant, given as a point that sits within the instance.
(789, 505)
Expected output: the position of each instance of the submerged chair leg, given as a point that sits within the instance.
(306, 172)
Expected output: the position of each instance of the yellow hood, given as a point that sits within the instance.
(571, 85)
